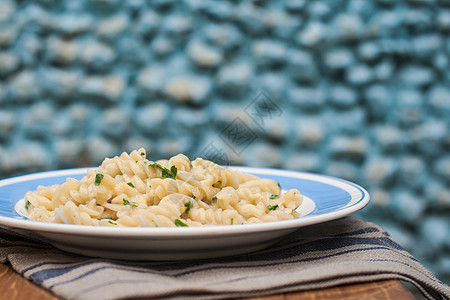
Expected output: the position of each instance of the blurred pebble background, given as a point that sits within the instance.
(361, 90)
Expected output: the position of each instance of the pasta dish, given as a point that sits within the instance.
(130, 190)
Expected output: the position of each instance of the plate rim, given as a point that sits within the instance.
(180, 232)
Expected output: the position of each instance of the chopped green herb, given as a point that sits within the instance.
(270, 207)
(174, 170)
(156, 165)
(166, 173)
(180, 223)
(273, 196)
(132, 204)
(214, 198)
(27, 204)
(231, 221)
(108, 218)
(188, 206)
(279, 185)
(130, 184)
(98, 179)
(150, 186)
(142, 154)
(111, 222)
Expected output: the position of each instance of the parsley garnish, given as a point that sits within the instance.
(270, 207)
(188, 206)
(173, 172)
(279, 185)
(27, 204)
(132, 204)
(130, 184)
(98, 179)
(180, 223)
(273, 196)
(231, 221)
(111, 222)
(166, 173)
(150, 186)
(214, 198)
(142, 154)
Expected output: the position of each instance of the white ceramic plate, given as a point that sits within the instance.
(326, 198)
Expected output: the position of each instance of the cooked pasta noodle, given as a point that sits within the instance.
(130, 190)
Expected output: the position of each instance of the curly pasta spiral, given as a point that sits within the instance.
(130, 190)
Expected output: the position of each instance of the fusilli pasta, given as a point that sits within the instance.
(130, 190)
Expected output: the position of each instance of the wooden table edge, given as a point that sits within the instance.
(14, 286)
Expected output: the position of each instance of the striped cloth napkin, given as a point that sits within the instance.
(344, 251)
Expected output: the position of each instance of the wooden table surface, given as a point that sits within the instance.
(14, 287)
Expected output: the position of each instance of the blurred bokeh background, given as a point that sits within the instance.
(357, 89)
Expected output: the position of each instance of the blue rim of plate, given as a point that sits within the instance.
(333, 198)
